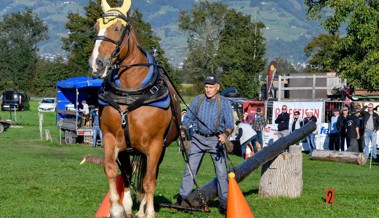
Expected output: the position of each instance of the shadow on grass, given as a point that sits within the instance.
(250, 192)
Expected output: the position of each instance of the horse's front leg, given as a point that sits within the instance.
(150, 181)
(110, 168)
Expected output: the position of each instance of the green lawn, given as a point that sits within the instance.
(44, 179)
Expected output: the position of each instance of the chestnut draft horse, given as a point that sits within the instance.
(140, 110)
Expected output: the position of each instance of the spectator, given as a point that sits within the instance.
(371, 126)
(334, 135)
(246, 118)
(311, 136)
(361, 140)
(341, 121)
(296, 121)
(96, 128)
(189, 133)
(85, 112)
(259, 123)
(352, 132)
(216, 116)
(184, 112)
(246, 135)
(283, 121)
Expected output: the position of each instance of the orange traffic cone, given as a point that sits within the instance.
(237, 205)
(105, 206)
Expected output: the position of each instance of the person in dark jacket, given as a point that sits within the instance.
(352, 131)
(341, 127)
(283, 122)
(310, 136)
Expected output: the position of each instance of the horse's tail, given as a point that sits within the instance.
(139, 170)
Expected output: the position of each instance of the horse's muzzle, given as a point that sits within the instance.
(100, 67)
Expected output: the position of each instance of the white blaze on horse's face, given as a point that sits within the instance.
(107, 27)
(95, 55)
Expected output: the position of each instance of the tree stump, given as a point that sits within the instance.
(340, 156)
(283, 176)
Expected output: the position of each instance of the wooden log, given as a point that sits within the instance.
(283, 175)
(209, 191)
(340, 156)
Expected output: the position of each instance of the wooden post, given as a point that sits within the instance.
(283, 176)
(340, 156)
(48, 135)
(40, 124)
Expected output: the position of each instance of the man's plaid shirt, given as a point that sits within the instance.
(259, 122)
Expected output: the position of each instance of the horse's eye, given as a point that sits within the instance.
(118, 28)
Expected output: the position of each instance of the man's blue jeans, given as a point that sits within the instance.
(370, 136)
(97, 132)
(311, 141)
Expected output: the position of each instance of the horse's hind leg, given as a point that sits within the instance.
(110, 168)
(126, 172)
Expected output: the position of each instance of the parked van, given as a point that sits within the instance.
(12, 99)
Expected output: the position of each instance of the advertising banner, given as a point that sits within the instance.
(302, 107)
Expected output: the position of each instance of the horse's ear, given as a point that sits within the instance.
(126, 6)
(105, 6)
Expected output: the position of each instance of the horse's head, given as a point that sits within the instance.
(111, 45)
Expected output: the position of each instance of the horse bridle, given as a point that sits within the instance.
(126, 31)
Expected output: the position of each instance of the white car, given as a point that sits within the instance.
(47, 104)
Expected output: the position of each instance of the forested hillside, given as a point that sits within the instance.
(287, 30)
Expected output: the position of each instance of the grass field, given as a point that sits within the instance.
(44, 179)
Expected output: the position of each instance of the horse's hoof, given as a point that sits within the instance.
(140, 215)
(117, 211)
(150, 215)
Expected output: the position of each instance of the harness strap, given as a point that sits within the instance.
(124, 119)
(218, 111)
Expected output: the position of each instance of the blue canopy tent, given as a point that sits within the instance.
(71, 92)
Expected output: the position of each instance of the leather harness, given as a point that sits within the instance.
(134, 98)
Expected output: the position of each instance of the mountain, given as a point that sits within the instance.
(287, 29)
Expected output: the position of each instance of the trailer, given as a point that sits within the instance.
(70, 93)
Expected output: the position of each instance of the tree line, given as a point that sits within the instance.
(220, 41)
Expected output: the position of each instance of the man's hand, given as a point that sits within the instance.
(183, 132)
(222, 138)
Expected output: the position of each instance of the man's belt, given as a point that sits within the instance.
(206, 135)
